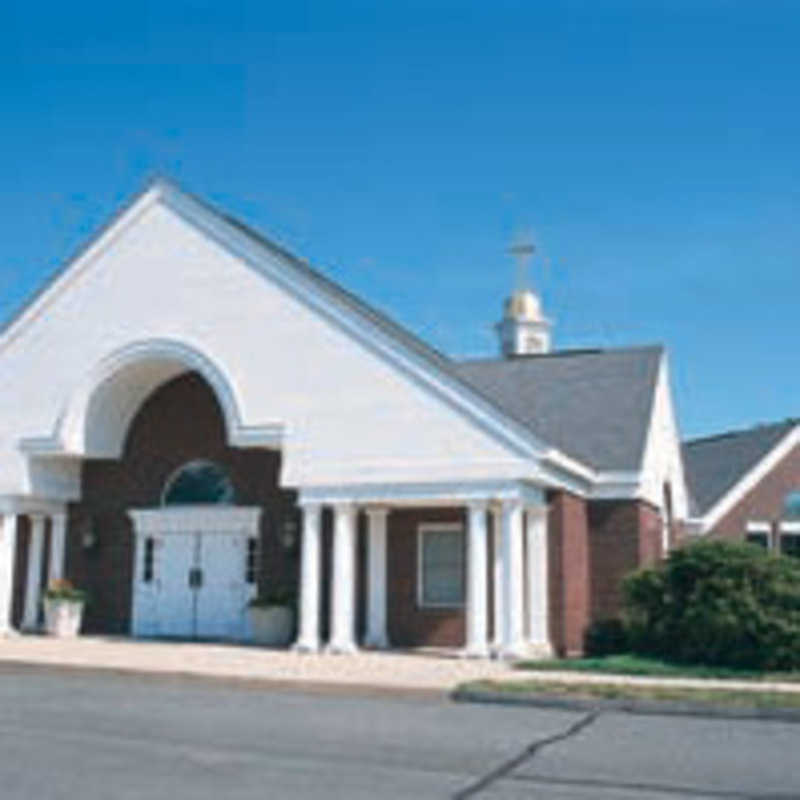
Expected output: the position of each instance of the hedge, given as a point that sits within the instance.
(717, 603)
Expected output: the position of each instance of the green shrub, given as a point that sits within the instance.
(605, 637)
(717, 603)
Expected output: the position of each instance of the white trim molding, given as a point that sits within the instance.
(180, 519)
(423, 494)
(101, 406)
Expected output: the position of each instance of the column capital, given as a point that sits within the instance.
(377, 511)
(479, 504)
(536, 511)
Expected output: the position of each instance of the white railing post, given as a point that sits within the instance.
(513, 602)
(343, 587)
(477, 645)
(8, 549)
(308, 637)
(537, 573)
(33, 579)
(376, 635)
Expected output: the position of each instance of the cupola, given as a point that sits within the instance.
(523, 330)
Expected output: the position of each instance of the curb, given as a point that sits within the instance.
(13, 666)
(662, 708)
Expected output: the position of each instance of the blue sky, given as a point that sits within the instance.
(651, 147)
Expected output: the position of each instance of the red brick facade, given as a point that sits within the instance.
(765, 501)
(570, 571)
(624, 535)
(408, 623)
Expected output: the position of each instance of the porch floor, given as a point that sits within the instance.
(394, 670)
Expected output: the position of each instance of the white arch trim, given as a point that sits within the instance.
(98, 413)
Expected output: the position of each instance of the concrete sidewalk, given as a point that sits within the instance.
(389, 671)
(371, 670)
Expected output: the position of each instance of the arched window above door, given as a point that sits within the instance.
(199, 482)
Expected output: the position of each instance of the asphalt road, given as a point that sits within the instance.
(85, 737)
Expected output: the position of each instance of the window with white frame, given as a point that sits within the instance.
(442, 556)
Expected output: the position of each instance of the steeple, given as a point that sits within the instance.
(523, 330)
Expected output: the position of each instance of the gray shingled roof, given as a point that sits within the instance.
(714, 464)
(594, 405)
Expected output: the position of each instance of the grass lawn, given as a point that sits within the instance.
(626, 664)
(588, 691)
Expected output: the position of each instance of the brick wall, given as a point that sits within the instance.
(624, 535)
(570, 579)
(410, 625)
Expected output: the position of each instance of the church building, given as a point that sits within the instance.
(190, 414)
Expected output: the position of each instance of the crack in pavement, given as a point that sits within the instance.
(531, 750)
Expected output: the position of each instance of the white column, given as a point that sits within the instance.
(376, 578)
(343, 586)
(497, 577)
(311, 548)
(477, 645)
(537, 574)
(30, 616)
(513, 644)
(8, 549)
(58, 538)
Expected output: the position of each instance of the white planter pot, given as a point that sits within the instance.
(62, 618)
(271, 625)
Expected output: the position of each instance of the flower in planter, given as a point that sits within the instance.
(61, 589)
(279, 596)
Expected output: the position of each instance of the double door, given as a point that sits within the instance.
(203, 593)
(193, 584)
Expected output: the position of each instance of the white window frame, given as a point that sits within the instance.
(437, 527)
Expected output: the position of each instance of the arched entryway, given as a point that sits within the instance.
(179, 478)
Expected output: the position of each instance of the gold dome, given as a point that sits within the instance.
(523, 305)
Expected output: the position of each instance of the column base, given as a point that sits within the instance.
(377, 643)
(476, 651)
(540, 650)
(511, 652)
(341, 648)
(306, 648)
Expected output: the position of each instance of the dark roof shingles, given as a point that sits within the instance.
(594, 405)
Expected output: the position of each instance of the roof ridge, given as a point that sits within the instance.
(571, 353)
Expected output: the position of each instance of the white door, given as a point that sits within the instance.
(192, 580)
(222, 599)
(176, 599)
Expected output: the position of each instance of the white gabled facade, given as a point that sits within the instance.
(662, 463)
(167, 288)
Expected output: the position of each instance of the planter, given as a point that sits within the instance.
(271, 625)
(62, 618)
